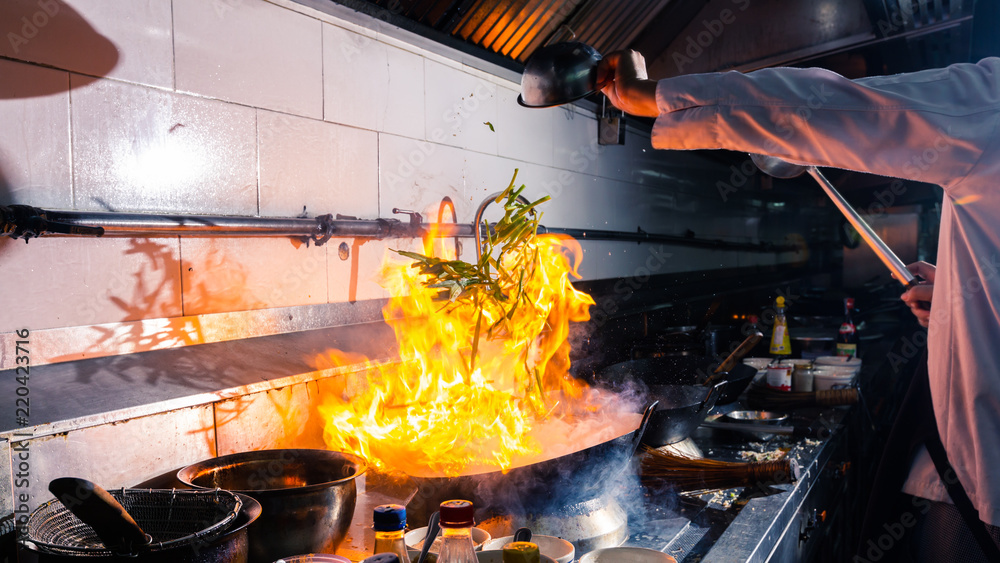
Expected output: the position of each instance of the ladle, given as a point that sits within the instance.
(433, 527)
(96, 507)
(778, 168)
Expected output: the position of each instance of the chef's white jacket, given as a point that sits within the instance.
(937, 126)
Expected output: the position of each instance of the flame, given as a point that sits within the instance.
(442, 410)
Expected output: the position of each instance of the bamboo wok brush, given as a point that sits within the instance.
(760, 397)
(687, 474)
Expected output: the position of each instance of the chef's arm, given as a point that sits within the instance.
(930, 126)
(628, 85)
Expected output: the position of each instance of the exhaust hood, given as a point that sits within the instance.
(853, 37)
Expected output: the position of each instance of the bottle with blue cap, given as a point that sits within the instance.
(390, 522)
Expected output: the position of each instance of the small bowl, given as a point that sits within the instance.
(556, 548)
(496, 556)
(630, 554)
(768, 417)
(414, 539)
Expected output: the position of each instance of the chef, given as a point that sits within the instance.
(940, 126)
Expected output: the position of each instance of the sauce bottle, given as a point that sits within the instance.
(456, 532)
(389, 523)
(847, 338)
(521, 552)
(780, 342)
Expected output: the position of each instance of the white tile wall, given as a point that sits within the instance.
(34, 136)
(458, 107)
(139, 149)
(237, 274)
(357, 277)
(58, 282)
(584, 202)
(524, 133)
(485, 175)
(416, 174)
(372, 85)
(310, 112)
(324, 167)
(251, 52)
(615, 161)
(575, 147)
(129, 41)
(124, 454)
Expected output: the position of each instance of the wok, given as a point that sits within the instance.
(578, 476)
(680, 409)
(680, 371)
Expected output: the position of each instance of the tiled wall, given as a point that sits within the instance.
(269, 108)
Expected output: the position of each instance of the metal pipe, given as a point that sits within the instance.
(642, 236)
(20, 221)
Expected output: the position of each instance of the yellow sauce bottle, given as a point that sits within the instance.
(781, 344)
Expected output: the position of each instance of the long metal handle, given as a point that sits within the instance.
(884, 253)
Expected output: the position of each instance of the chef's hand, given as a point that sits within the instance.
(918, 297)
(628, 86)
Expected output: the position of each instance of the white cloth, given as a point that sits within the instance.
(938, 126)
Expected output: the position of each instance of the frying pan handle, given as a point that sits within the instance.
(639, 432)
(712, 397)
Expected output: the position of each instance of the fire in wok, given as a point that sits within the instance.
(483, 352)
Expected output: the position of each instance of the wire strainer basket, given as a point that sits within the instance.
(171, 517)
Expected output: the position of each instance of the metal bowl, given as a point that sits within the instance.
(307, 496)
(768, 417)
(558, 74)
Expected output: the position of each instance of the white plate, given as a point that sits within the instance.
(556, 548)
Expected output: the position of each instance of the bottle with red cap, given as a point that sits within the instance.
(456, 532)
(847, 337)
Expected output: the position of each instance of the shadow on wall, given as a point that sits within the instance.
(53, 33)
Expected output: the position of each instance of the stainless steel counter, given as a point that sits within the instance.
(776, 522)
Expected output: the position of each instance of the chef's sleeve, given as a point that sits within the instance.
(931, 126)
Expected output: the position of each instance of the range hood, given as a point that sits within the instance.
(854, 37)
